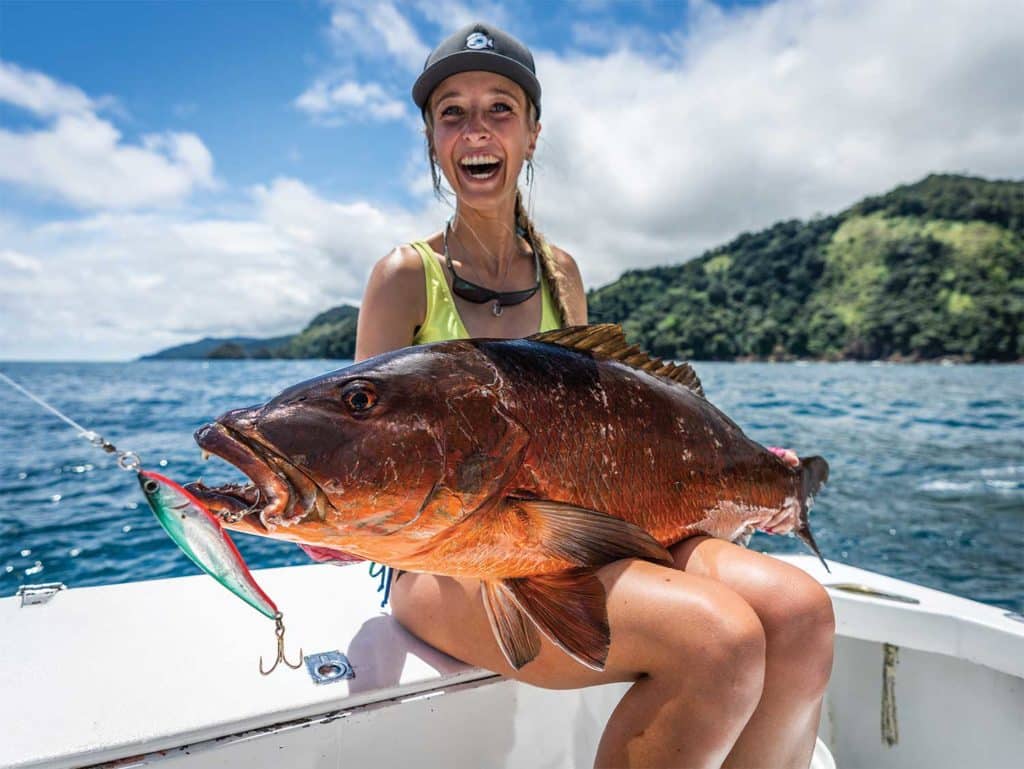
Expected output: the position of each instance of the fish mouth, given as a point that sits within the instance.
(278, 494)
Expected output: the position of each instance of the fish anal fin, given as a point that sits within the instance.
(609, 341)
(587, 538)
(517, 637)
(570, 608)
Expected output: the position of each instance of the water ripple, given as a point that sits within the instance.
(927, 463)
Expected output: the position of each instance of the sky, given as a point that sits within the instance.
(174, 170)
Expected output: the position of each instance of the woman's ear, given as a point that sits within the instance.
(533, 142)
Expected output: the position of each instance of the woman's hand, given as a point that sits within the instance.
(786, 455)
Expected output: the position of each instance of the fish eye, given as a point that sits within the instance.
(150, 486)
(360, 397)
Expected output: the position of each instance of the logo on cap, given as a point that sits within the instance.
(478, 40)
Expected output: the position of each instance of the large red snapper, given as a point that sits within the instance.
(525, 463)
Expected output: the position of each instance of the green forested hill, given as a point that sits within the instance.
(928, 270)
(331, 334)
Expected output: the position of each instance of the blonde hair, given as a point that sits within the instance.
(554, 277)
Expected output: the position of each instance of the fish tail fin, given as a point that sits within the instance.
(813, 474)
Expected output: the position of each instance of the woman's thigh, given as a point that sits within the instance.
(658, 616)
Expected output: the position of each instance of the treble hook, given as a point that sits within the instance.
(279, 632)
(235, 517)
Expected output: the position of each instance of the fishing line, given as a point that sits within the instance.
(126, 460)
(42, 403)
(151, 483)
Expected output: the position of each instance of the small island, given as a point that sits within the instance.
(928, 271)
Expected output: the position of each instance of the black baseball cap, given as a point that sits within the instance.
(473, 48)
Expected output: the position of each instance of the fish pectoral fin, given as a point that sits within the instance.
(570, 608)
(517, 637)
(588, 537)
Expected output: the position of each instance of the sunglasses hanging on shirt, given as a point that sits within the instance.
(471, 292)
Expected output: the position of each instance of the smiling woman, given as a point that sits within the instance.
(488, 273)
(729, 651)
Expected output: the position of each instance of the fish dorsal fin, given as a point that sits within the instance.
(607, 340)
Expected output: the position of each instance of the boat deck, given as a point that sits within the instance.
(105, 673)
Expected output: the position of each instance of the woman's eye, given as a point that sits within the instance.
(501, 107)
(451, 111)
(359, 398)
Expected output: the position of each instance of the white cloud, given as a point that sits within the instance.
(376, 34)
(122, 284)
(82, 159)
(40, 94)
(449, 15)
(350, 100)
(377, 30)
(771, 113)
(372, 29)
(20, 262)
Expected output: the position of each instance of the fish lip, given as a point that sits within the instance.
(285, 494)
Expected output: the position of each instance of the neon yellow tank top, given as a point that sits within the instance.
(442, 321)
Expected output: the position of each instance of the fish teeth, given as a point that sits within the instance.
(204, 454)
(320, 506)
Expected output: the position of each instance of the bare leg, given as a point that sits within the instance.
(694, 648)
(796, 614)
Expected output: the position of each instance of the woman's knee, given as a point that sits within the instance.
(738, 645)
(711, 641)
(800, 630)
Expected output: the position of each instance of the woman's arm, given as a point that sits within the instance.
(394, 304)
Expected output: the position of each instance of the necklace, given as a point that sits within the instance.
(477, 294)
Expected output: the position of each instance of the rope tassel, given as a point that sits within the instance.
(386, 575)
(890, 728)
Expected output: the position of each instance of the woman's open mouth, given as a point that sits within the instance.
(279, 492)
(480, 167)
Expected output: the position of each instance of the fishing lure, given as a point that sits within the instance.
(192, 527)
(198, 533)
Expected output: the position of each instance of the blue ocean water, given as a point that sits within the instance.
(927, 463)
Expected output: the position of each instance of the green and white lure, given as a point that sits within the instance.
(200, 536)
(191, 526)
